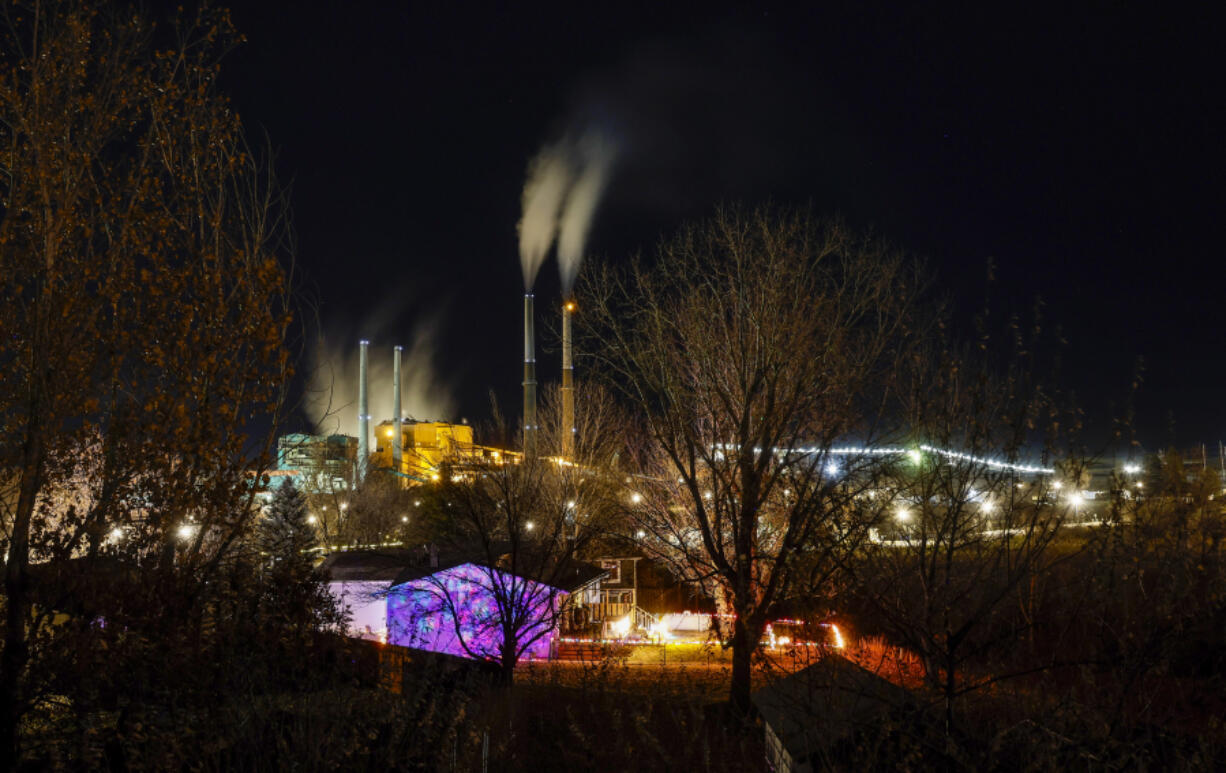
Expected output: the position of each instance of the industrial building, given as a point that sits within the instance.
(424, 446)
(324, 463)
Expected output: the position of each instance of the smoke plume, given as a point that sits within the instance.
(549, 177)
(332, 401)
(598, 153)
(563, 189)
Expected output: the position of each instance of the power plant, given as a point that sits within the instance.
(332, 463)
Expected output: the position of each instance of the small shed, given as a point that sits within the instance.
(818, 713)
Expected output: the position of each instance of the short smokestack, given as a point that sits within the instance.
(363, 412)
(529, 378)
(568, 382)
(398, 441)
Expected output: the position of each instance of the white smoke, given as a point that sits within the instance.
(598, 153)
(564, 186)
(549, 177)
(332, 400)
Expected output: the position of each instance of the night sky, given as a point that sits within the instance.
(1080, 150)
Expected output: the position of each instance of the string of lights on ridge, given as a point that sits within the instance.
(914, 453)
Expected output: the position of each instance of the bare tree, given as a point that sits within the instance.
(754, 346)
(145, 313)
(523, 523)
(958, 561)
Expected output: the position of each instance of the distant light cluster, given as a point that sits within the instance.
(898, 451)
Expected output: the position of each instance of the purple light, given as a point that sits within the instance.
(422, 613)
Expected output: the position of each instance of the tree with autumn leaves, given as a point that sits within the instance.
(144, 315)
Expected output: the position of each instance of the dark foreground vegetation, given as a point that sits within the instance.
(158, 615)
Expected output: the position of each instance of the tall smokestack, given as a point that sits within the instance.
(568, 382)
(398, 442)
(363, 413)
(529, 378)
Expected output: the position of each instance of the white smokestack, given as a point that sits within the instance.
(363, 412)
(398, 441)
(529, 378)
(568, 383)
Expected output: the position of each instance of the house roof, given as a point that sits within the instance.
(570, 577)
(400, 565)
(383, 565)
(826, 703)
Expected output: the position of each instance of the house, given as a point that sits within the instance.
(619, 591)
(409, 597)
(813, 717)
(461, 609)
(359, 581)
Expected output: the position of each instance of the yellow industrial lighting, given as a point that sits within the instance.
(390, 433)
(570, 306)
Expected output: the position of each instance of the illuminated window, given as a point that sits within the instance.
(614, 568)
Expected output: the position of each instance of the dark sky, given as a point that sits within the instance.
(1081, 150)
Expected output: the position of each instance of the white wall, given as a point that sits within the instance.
(367, 606)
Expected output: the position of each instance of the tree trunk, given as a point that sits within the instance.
(506, 663)
(16, 650)
(743, 644)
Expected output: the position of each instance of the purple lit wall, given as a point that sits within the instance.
(420, 612)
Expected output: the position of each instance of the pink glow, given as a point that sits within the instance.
(419, 613)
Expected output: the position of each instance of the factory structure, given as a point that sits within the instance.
(412, 450)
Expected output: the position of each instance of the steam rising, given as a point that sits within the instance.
(549, 177)
(332, 400)
(599, 154)
(564, 186)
